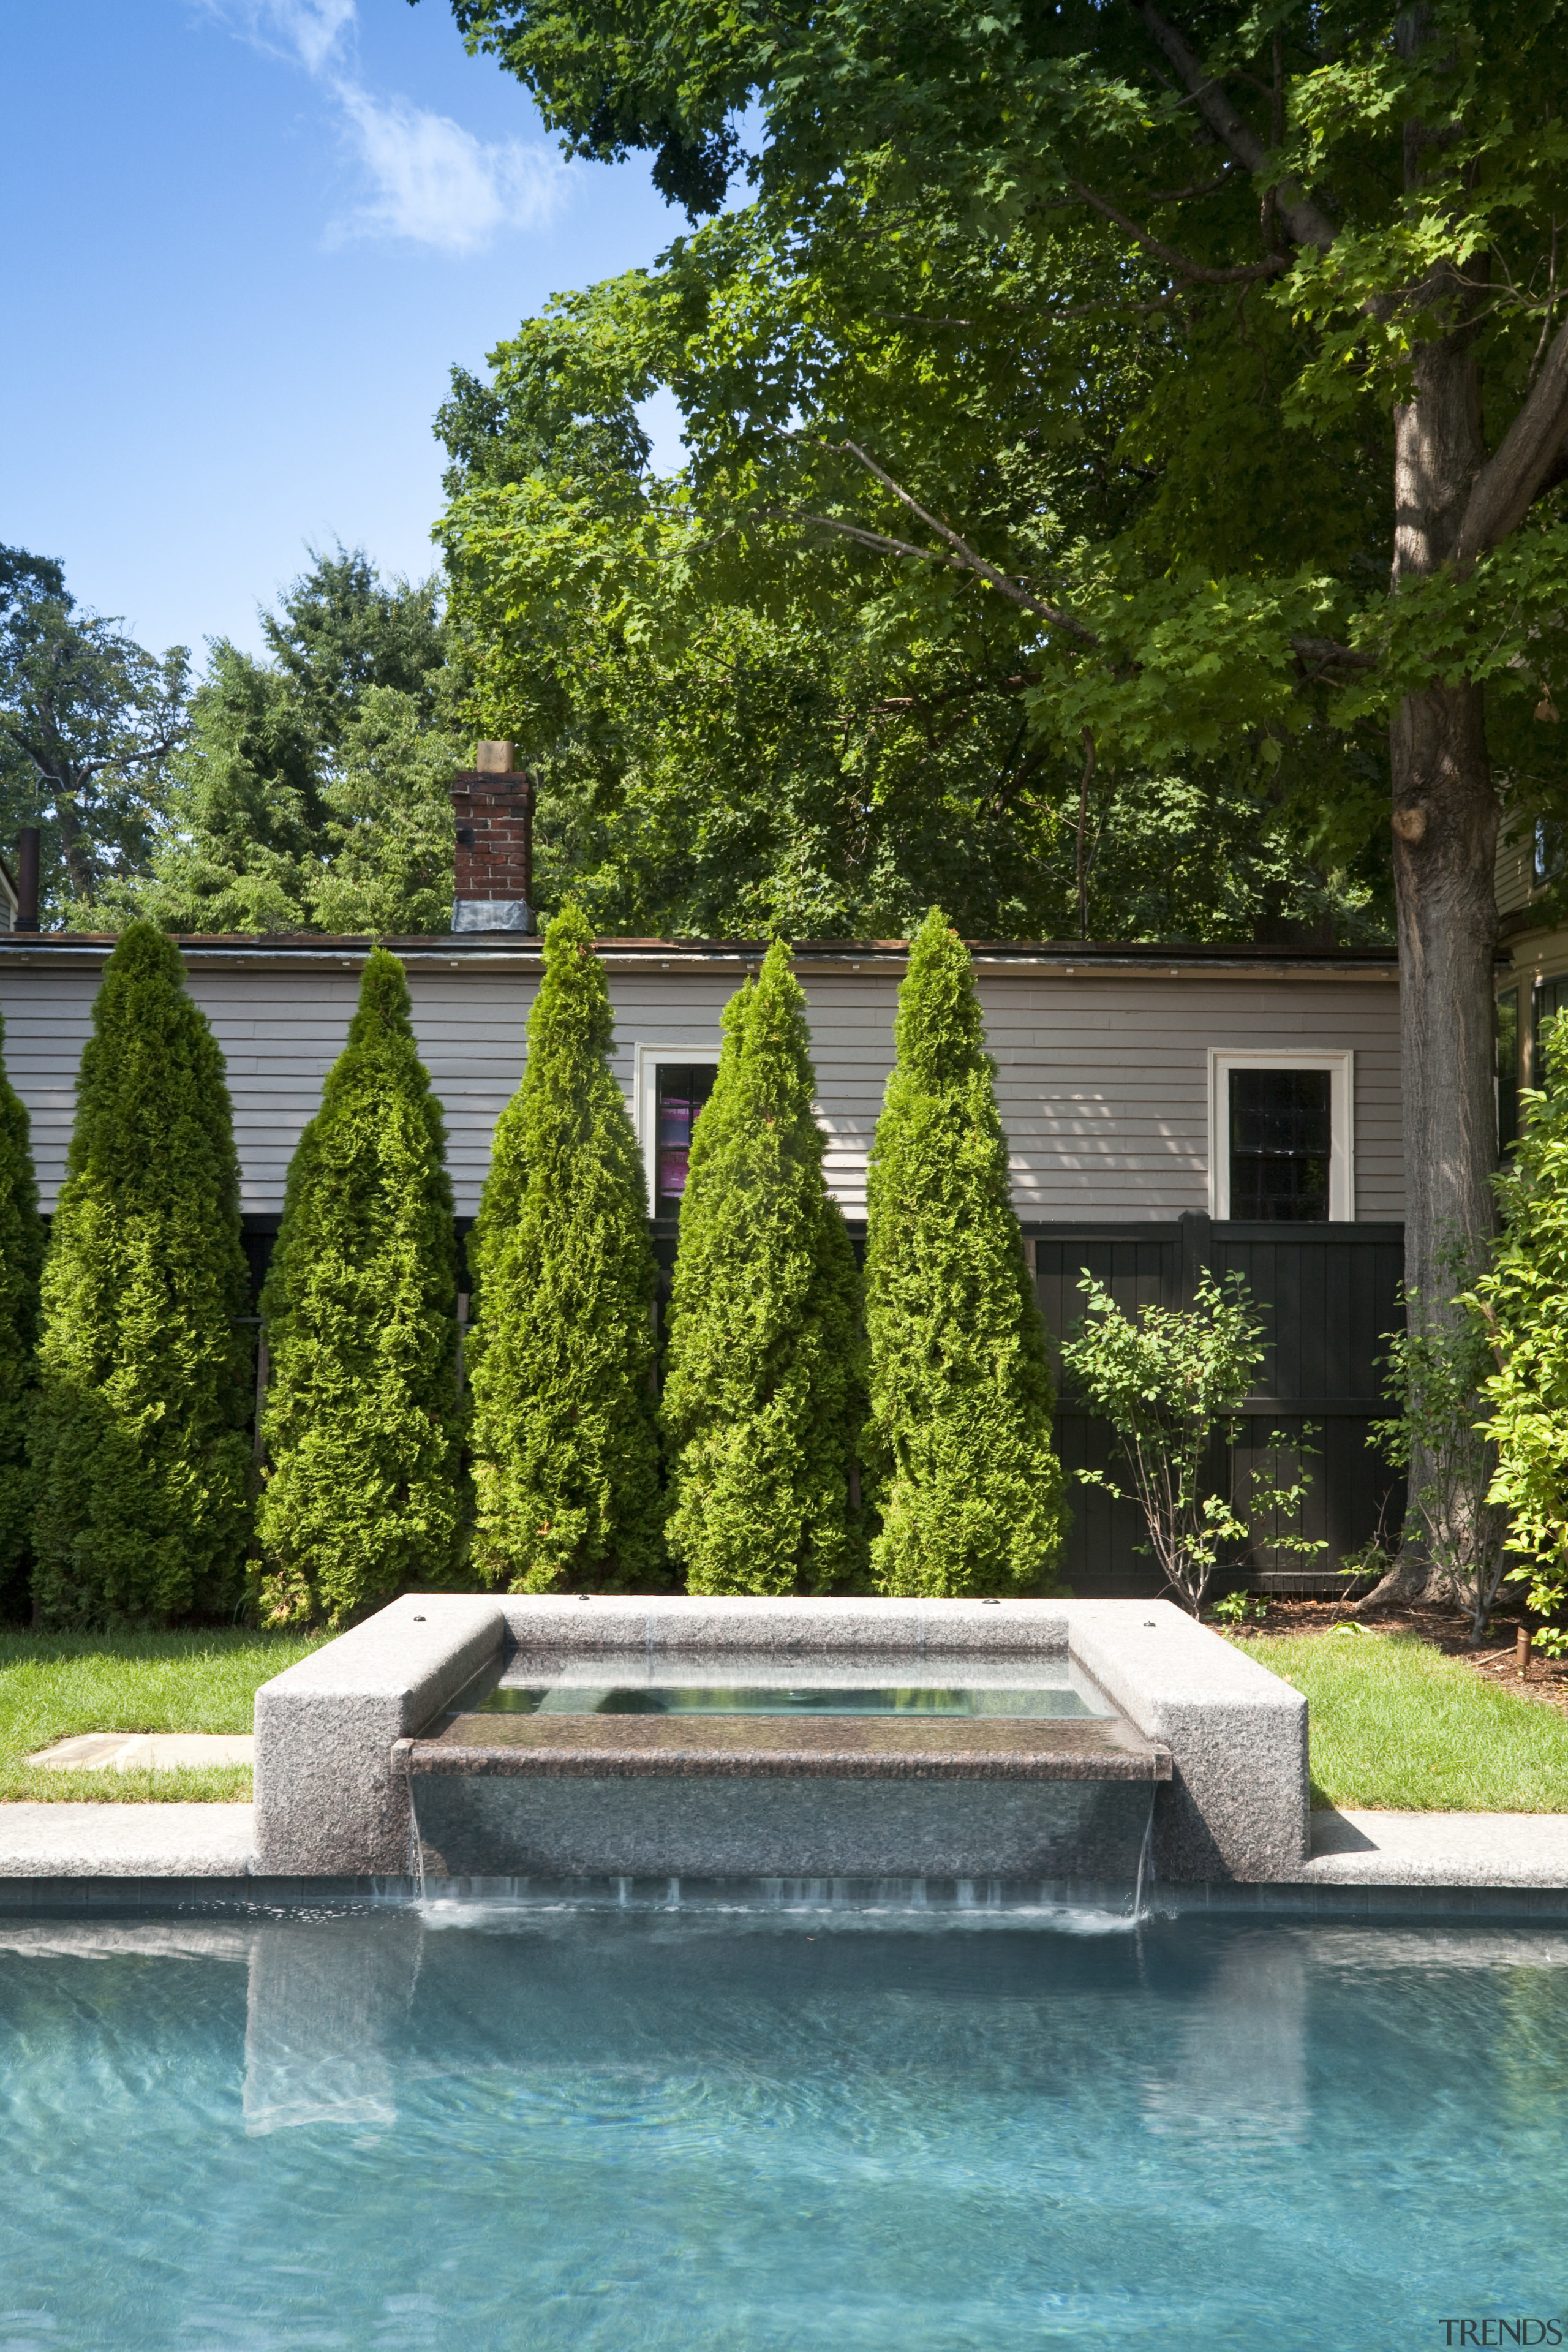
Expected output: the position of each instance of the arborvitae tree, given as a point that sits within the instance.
(361, 1499)
(21, 1255)
(140, 1451)
(970, 1485)
(566, 1441)
(764, 1388)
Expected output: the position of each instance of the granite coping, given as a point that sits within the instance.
(1437, 1850)
(762, 1746)
(134, 1840)
(700, 1624)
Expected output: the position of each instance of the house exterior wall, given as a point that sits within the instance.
(1515, 868)
(1536, 944)
(1103, 1057)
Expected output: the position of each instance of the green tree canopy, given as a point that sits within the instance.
(1220, 350)
(312, 795)
(960, 1432)
(566, 1441)
(764, 1375)
(89, 722)
(729, 738)
(21, 1255)
(141, 1451)
(362, 1498)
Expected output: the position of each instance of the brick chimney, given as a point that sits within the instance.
(493, 808)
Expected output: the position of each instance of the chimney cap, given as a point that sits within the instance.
(494, 760)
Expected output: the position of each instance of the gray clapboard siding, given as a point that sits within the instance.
(1103, 1076)
(1515, 871)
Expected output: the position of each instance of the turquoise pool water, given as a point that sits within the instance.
(748, 2132)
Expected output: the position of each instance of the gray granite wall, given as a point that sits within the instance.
(332, 1799)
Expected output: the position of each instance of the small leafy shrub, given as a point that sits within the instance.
(361, 1499)
(1519, 1300)
(764, 1381)
(560, 1357)
(1434, 1372)
(1169, 1380)
(141, 1449)
(968, 1485)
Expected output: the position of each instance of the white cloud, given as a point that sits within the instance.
(312, 32)
(315, 29)
(429, 180)
(438, 184)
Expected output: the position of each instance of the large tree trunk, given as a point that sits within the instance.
(1445, 848)
(1445, 820)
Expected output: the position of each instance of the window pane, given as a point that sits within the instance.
(680, 1092)
(1280, 1132)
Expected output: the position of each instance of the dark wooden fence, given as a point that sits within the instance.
(1327, 1297)
(1327, 1294)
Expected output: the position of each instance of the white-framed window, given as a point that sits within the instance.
(1282, 1135)
(673, 1082)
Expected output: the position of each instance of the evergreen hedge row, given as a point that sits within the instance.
(968, 1485)
(361, 1497)
(764, 1380)
(782, 1369)
(140, 1447)
(21, 1258)
(565, 1438)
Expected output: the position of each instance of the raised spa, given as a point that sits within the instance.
(576, 1737)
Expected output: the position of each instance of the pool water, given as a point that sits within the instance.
(533, 1699)
(743, 2131)
(637, 1683)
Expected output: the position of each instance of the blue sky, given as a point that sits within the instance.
(246, 240)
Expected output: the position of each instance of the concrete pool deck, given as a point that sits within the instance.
(197, 1844)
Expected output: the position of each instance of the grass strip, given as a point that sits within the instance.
(1397, 1726)
(55, 1686)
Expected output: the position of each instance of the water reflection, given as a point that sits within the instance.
(315, 2027)
(1239, 2063)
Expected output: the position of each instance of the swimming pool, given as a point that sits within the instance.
(501, 2126)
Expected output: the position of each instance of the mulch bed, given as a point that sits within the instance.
(1495, 1662)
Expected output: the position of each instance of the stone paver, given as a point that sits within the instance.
(1367, 1849)
(145, 1751)
(125, 1841)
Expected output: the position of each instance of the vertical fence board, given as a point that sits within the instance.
(1327, 1297)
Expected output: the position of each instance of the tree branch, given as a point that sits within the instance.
(958, 556)
(1270, 267)
(1199, 188)
(962, 556)
(1304, 221)
(1082, 876)
(1526, 461)
(883, 542)
(1326, 655)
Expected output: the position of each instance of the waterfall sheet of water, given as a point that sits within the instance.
(891, 1899)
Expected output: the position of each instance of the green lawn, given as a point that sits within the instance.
(54, 1684)
(1397, 1726)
